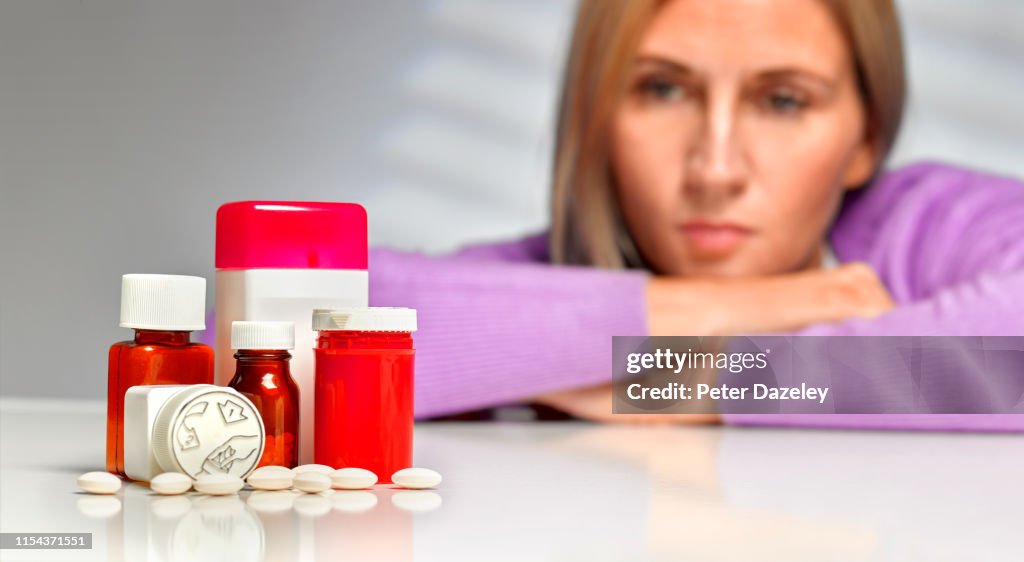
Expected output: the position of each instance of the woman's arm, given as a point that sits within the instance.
(497, 327)
(724, 307)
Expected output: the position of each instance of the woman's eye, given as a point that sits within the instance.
(785, 102)
(662, 90)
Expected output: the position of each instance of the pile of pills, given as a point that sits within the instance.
(308, 478)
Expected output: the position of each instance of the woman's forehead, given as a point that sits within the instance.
(749, 36)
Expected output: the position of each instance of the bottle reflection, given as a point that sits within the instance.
(690, 512)
(361, 528)
(108, 508)
(274, 510)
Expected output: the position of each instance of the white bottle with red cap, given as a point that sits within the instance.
(279, 260)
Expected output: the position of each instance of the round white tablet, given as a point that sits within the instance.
(170, 483)
(271, 478)
(99, 482)
(352, 479)
(318, 468)
(416, 478)
(218, 484)
(311, 482)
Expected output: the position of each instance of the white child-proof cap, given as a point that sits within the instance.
(201, 428)
(248, 334)
(163, 302)
(191, 429)
(366, 319)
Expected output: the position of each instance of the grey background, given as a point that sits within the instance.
(124, 124)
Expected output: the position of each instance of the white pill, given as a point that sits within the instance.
(417, 501)
(416, 478)
(311, 482)
(271, 478)
(318, 468)
(218, 484)
(99, 482)
(170, 483)
(352, 479)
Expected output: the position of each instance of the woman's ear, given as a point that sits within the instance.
(862, 164)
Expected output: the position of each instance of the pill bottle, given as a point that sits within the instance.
(262, 376)
(279, 260)
(163, 310)
(364, 388)
(193, 429)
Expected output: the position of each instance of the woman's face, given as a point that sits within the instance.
(741, 129)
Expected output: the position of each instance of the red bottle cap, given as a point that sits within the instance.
(291, 235)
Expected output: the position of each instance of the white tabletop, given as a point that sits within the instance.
(550, 491)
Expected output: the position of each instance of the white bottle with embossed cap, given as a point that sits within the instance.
(192, 429)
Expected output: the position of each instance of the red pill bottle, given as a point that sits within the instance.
(163, 310)
(363, 413)
(262, 376)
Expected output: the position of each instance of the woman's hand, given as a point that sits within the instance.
(594, 403)
(707, 307)
(703, 307)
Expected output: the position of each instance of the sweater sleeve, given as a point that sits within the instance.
(950, 246)
(497, 325)
(990, 306)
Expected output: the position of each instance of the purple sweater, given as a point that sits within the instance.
(500, 324)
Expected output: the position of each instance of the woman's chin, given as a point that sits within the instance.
(735, 265)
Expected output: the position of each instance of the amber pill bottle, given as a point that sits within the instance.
(163, 310)
(262, 374)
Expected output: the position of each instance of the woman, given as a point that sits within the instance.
(714, 159)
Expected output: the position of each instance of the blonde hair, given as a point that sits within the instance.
(587, 227)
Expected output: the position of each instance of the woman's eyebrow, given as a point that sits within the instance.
(779, 74)
(663, 64)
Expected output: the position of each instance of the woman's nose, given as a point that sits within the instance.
(716, 169)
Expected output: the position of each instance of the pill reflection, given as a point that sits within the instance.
(277, 501)
(260, 525)
(99, 507)
(349, 501)
(416, 501)
(170, 507)
(312, 505)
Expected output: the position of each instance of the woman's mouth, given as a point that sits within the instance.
(713, 238)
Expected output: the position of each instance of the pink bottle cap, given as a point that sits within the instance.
(291, 235)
